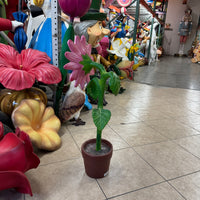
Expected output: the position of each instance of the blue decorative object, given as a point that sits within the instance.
(20, 37)
(87, 104)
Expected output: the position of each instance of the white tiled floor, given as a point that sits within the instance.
(155, 132)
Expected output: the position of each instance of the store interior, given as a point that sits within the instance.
(99, 100)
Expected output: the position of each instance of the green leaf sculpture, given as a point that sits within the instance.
(96, 88)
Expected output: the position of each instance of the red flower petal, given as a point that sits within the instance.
(16, 154)
(16, 79)
(15, 179)
(7, 55)
(32, 58)
(47, 73)
(1, 130)
(33, 160)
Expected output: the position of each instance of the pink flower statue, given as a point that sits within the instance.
(78, 48)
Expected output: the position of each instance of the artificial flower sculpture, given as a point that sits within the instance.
(39, 122)
(78, 48)
(19, 71)
(17, 157)
(75, 97)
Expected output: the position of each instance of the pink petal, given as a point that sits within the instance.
(47, 73)
(74, 48)
(80, 79)
(32, 58)
(73, 57)
(86, 48)
(74, 75)
(7, 55)
(72, 66)
(16, 79)
(82, 84)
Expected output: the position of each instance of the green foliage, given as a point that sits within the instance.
(93, 88)
(101, 117)
(96, 88)
(88, 64)
(114, 83)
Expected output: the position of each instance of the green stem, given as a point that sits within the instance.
(98, 140)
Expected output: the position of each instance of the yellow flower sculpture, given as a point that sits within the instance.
(39, 122)
(134, 48)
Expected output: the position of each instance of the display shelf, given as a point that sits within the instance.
(150, 9)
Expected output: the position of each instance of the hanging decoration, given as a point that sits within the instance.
(74, 8)
(124, 3)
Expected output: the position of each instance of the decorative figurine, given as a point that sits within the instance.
(185, 28)
(8, 25)
(91, 27)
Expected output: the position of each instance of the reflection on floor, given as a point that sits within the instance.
(155, 132)
(176, 72)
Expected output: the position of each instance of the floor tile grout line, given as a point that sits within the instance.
(148, 186)
(101, 188)
(176, 190)
(141, 157)
(74, 141)
(171, 139)
(149, 164)
(183, 175)
(186, 150)
(60, 161)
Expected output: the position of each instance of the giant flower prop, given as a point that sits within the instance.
(16, 156)
(19, 71)
(78, 48)
(39, 122)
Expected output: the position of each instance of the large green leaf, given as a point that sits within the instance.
(114, 83)
(93, 88)
(101, 117)
(86, 62)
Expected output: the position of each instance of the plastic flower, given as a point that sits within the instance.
(78, 48)
(39, 122)
(19, 71)
(17, 156)
(134, 48)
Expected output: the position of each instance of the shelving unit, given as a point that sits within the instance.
(134, 11)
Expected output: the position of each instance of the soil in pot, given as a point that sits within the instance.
(96, 162)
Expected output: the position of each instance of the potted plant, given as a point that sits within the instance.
(96, 152)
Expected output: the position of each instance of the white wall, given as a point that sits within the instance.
(175, 11)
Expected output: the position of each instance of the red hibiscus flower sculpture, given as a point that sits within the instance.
(16, 156)
(19, 71)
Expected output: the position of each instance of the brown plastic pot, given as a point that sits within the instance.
(96, 166)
